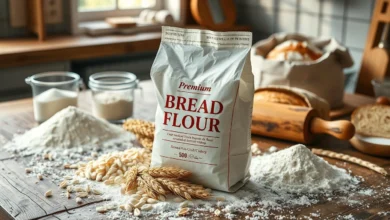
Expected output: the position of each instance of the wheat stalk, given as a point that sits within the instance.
(140, 127)
(168, 172)
(351, 159)
(184, 189)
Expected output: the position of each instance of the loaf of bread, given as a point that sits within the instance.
(293, 50)
(293, 96)
(372, 120)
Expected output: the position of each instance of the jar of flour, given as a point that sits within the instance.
(113, 95)
(52, 92)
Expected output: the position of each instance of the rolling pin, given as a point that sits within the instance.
(295, 123)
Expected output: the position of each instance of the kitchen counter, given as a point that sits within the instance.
(22, 198)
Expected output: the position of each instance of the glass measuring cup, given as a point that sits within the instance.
(52, 92)
(113, 95)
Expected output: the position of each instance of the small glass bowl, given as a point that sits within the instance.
(113, 95)
(52, 92)
(381, 87)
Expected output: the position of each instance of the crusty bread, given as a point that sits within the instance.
(280, 96)
(293, 50)
(372, 120)
(292, 96)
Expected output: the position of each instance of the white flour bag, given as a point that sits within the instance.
(204, 86)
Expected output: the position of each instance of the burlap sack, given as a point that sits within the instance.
(323, 77)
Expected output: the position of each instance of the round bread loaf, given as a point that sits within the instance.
(293, 50)
(293, 96)
(276, 95)
(372, 120)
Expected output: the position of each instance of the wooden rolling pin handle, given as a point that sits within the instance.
(341, 129)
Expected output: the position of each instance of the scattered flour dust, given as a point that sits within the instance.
(297, 180)
(281, 182)
(70, 128)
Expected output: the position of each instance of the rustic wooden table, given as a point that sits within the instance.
(22, 198)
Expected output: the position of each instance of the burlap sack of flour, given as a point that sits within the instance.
(323, 77)
(204, 86)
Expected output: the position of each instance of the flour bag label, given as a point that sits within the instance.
(204, 86)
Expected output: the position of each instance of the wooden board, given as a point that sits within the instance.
(23, 198)
(122, 22)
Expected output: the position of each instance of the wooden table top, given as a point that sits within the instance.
(22, 198)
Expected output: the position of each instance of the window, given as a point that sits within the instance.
(94, 10)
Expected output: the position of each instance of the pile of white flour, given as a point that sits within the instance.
(298, 170)
(71, 128)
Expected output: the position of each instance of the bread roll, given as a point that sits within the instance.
(293, 96)
(372, 120)
(293, 50)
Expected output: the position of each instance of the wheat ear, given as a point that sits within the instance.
(145, 188)
(153, 183)
(140, 127)
(145, 141)
(183, 189)
(131, 178)
(168, 172)
(351, 159)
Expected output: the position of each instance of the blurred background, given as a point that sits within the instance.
(78, 37)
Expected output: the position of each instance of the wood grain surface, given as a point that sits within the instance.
(22, 198)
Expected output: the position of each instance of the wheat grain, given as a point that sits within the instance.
(82, 194)
(128, 208)
(28, 170)
(63, 184)
(78, 189)
(40, 177)
(184, 204)
(49, 193)
(79, 200)
(137, 212)
(96, 192)
(101, 209)
(168, 172)
(351, 159)
(146, 207)
(151, 201)
(183, 212)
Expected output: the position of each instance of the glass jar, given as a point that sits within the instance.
(113, 95)
(381, 87)
(52, 92)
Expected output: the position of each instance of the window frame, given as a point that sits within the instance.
(103, 14)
